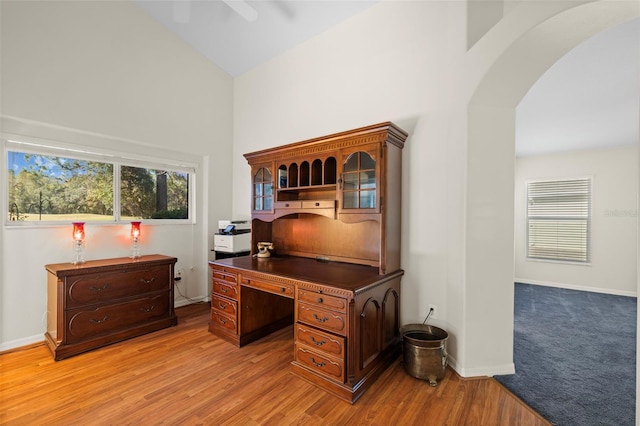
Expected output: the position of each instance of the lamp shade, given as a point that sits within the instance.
(135, 229)
(78, 231)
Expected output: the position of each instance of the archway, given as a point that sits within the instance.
(490, 159)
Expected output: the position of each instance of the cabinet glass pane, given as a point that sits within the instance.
(368, 179)
(366, 162)
(267, 203)
(258, 205)
(257, 189)
(268, 189)
(350, 181)
(367, 199)
(352, 163)
(267, 175)
(350, 200)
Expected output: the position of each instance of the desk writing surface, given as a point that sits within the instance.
(337, 274)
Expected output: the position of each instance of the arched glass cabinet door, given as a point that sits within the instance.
(359, 182)
(262, 190)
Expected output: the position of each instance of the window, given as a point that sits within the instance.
(43, 186)
(559, 220)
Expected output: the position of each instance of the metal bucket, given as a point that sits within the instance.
(424, 353)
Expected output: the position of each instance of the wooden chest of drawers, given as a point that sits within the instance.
(104, 301)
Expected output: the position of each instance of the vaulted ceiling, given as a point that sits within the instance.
(588, 99)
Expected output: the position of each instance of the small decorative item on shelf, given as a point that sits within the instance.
(135, 235)
(78, 243)
(263, 249)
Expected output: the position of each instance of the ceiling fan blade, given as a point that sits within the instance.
(243, 9)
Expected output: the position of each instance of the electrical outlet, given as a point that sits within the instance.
(433, 309)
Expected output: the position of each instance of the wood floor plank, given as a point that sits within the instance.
(186, 376)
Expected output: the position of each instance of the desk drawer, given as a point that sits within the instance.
(294, 204)
(223, 275)
(322, 300)
(318, 204)
(224, 289)
(324, 342)
(270, 287)
(322, 318)
(330, 368)
(223, 321)
(225, 306)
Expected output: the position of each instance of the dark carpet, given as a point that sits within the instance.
(575, 355)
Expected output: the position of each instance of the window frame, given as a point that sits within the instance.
(18, 143)
(588, 180)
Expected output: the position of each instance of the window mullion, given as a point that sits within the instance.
(116, 192)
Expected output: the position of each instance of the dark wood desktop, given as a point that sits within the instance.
(331, 207)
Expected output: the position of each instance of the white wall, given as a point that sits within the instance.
(613, 268)
(104, 74)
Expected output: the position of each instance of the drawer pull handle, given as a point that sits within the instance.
(147, 309)
(223, 289)
(325, 319)
(222, 305)
(222, 320)
(143, 281)
(103, 288)
(317, 204)
(318, 342)
(317, 364)
(320, 300)
(286, 204)
(282, 289)
(98, 321)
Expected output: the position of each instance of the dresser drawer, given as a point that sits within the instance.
(330, 368)
(271, 287)
(324, 342)
(225, 306)
(322, 300)
(322, 318)
(84, 324)
(224, 322)
(224, 289)
(88, 289)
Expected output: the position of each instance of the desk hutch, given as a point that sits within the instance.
(331, 207)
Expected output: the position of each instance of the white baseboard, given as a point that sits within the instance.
(25, 341)
(578, 287)
(184, 302)
(488, 371)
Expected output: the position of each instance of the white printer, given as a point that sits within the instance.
(232, 236)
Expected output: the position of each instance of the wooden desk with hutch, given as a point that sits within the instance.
(331, 206)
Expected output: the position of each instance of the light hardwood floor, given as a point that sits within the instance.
(186, 376)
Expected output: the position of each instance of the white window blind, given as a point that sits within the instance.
(559, 220)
